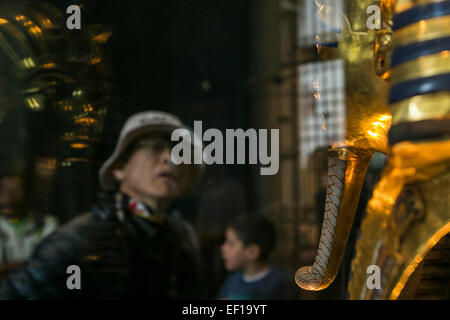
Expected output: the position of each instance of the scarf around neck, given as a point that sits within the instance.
(138, 208)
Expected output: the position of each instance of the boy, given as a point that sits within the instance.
(248, 242)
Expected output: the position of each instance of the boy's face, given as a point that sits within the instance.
(235, 254)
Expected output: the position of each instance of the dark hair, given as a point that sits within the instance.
(256, 230)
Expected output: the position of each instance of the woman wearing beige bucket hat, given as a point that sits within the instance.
(147, 124)
(131, 247)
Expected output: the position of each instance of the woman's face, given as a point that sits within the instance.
(149, 172)
(233, 251)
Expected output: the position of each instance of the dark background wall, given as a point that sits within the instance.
(185, 57)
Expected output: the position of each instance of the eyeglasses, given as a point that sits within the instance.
(156, 144)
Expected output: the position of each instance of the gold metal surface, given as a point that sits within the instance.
(426, 66)
(423, 30)
(354, 178)
(383, 43)
(367, 123)
(366, 105)
(426, 166)
(423, 242)
(342, 153)
(423, 107)
(396, 235)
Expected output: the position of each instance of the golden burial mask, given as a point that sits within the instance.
(402, 69)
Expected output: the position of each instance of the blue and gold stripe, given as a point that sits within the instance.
(420, 65)
(421, 12)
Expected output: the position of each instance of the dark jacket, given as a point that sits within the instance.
(118, 258)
